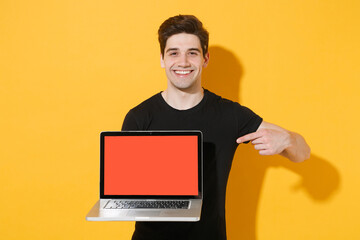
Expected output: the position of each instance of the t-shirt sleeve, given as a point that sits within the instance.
(129, 122)
(248, 121)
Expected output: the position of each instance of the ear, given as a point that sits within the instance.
(162, 61)
(206, 59)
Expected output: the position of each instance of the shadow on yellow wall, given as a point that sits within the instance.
(320, 179)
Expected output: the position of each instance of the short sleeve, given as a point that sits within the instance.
(248, 121)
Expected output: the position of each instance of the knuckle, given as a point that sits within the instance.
(266, 131)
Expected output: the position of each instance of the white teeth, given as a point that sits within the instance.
(182, 72)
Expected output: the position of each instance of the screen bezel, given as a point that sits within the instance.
(153, 133)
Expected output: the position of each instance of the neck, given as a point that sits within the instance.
(182, 100)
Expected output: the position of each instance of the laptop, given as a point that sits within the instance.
(150, 176)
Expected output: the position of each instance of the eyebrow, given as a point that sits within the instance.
(194, 49)
(190, 49)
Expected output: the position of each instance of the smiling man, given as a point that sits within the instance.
(185, 105)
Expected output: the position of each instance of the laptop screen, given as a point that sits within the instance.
(156, 164)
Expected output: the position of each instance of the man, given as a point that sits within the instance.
(185, 105)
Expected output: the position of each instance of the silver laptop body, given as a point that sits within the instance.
(149, 167)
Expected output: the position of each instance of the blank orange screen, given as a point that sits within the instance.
(150, 165)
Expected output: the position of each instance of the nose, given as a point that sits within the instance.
(184, 61)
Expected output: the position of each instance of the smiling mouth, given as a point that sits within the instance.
(182, 72)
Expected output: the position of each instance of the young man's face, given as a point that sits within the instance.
(183, 61)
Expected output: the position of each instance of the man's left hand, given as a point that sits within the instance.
(268, 141)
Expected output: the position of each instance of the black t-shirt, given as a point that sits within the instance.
(221, 121)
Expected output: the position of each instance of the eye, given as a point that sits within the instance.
(172, 53)
(193, 53)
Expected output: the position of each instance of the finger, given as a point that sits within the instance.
(260, 147)
(266, 152)
(259, 140)
(249, 137)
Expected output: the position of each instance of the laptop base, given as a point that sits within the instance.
(98, 213)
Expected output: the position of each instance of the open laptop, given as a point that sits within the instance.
(150, 176)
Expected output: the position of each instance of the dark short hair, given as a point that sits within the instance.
(183, 24)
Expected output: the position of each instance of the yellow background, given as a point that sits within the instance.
(70, 69)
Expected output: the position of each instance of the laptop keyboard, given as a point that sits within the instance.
(170, 204)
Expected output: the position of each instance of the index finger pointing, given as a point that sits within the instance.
(248, 137)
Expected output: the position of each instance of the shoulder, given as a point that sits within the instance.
(230, 108)
(220, 102)
(138, 117)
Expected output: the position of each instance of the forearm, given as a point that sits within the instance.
(298, 150)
